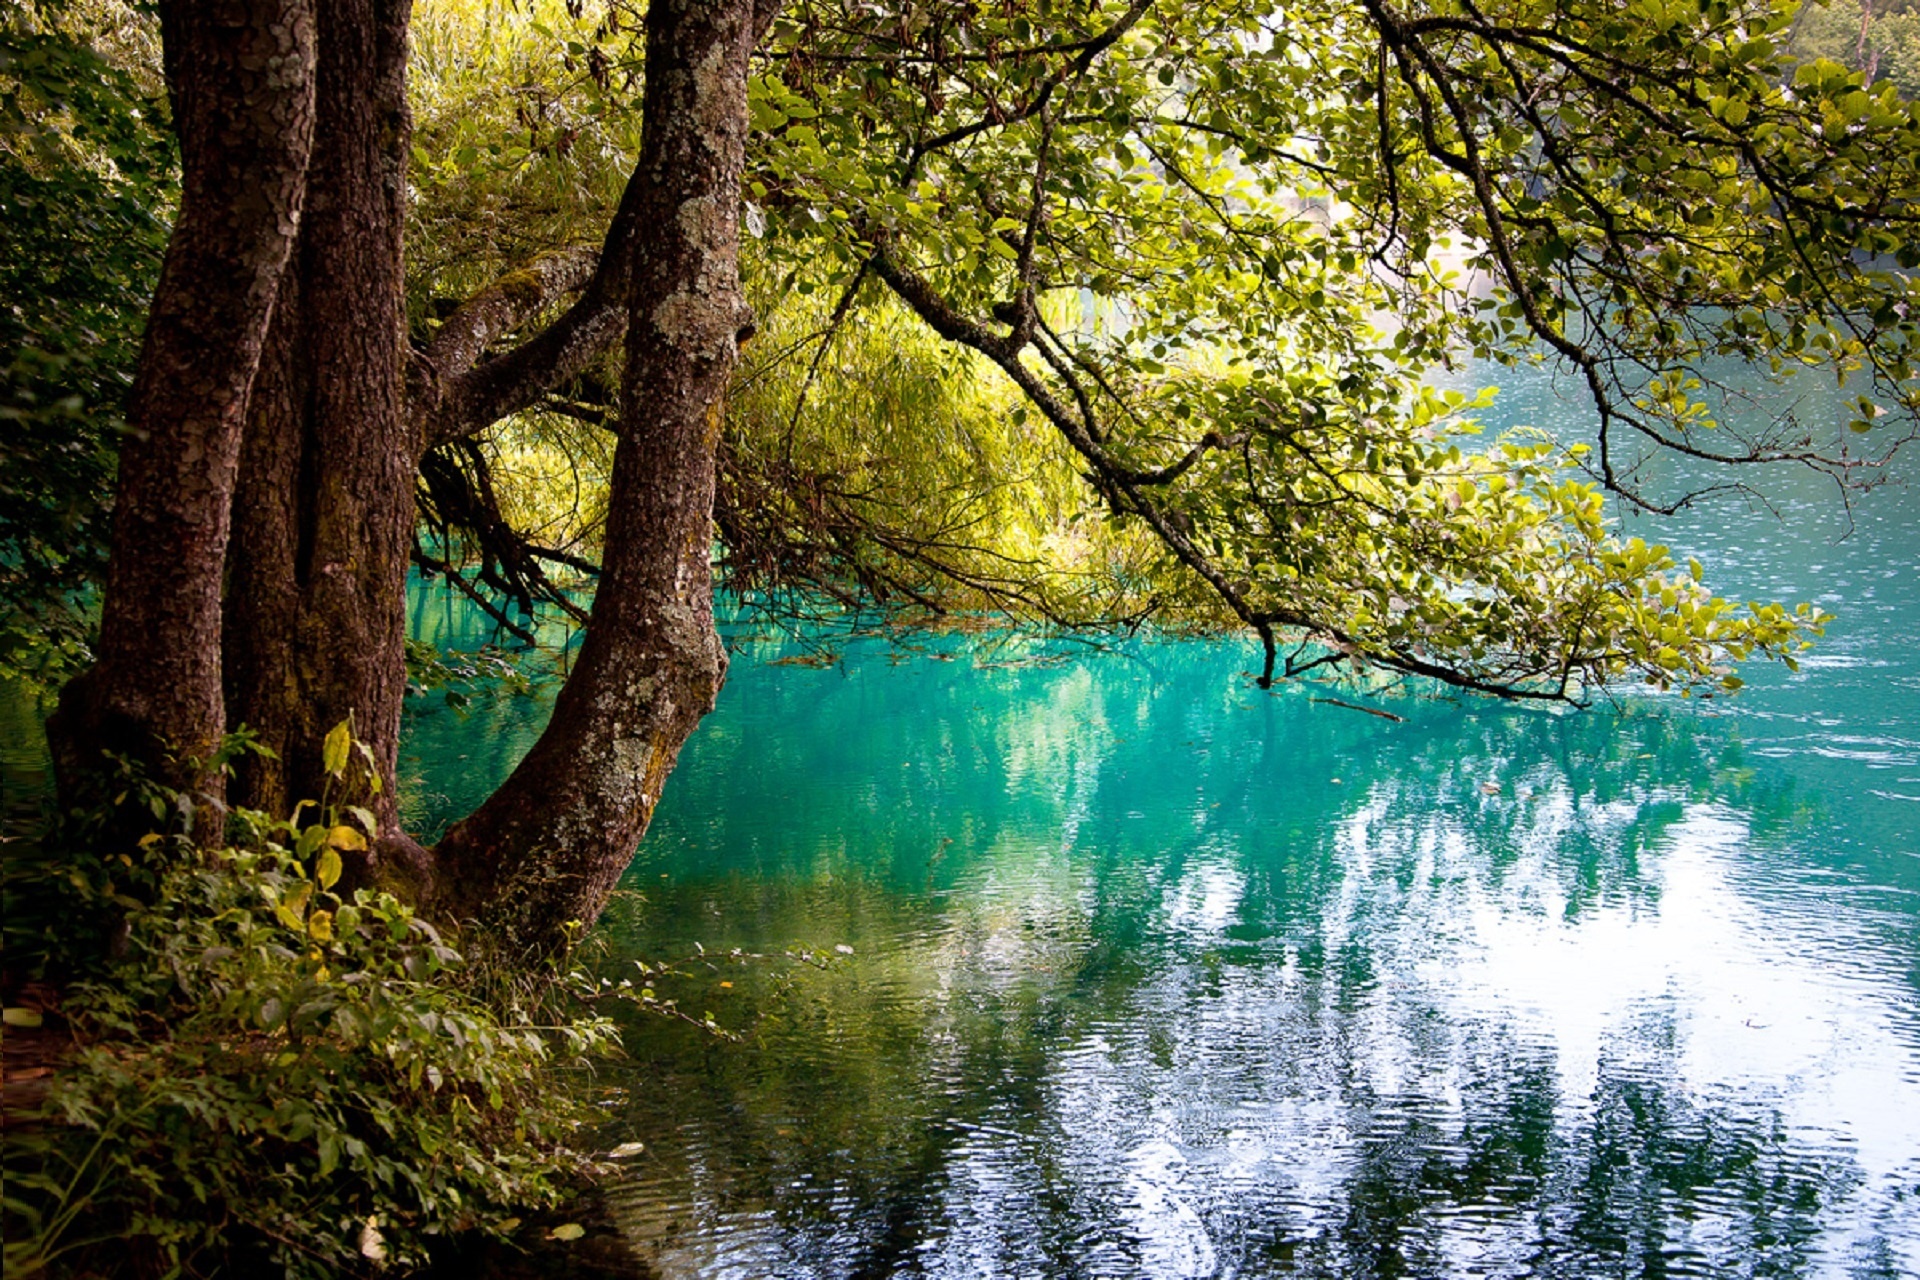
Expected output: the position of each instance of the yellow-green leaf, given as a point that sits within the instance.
(292, 908)
(327, 869)
(333, 754)
(345, 837)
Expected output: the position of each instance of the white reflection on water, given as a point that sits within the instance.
(1265, 1115)
(1762, 1007)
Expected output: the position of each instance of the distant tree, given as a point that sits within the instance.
(1878, 38)
(1286, 218)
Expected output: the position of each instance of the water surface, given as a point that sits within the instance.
(1154, 974)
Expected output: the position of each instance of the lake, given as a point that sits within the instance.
(1135, 970)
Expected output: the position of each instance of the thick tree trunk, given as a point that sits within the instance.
(549, 845)
(317, 575)
(311, 464)
(242, 83)
(263, 685)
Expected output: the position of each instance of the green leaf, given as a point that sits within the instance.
(292, 908)
(16, 1016)
(327, 870)
(567, 1231)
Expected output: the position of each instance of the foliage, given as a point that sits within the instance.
(87, 179)
(458, 676)
(526, 117)
(1219, 255)
(274, 1071)
(1216, 253)
(1878, 38)
(1294, 217)
(892, 471)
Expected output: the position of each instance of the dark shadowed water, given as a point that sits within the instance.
(1153, 974)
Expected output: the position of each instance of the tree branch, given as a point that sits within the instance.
(501, 307)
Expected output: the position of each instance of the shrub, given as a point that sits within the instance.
(272, 1077)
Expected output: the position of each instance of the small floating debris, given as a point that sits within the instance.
(1354, 706)
(816, 660)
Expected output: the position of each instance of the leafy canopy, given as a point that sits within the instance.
(1286, 218)
(1215, 253)
(1112, 311)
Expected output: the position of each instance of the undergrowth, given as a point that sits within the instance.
(269, 1076)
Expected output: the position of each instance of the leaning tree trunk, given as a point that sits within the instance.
(315, 617)
(548, 846)
(241, 78)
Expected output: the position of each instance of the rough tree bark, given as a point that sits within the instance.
(300, 427)
(550, 843)
(315, 618)
(243, 87)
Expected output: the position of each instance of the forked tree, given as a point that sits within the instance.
(265, 502)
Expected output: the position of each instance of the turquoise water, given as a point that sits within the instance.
(1150, 973)
(1135, 970)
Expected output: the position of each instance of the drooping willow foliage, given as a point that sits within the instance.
(868, 468)
(870, 465)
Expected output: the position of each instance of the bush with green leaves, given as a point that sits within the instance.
(276, 1077)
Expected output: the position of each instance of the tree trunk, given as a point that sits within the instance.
(549, 845)
(317, 575)
(312, 463)
(242, 83)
